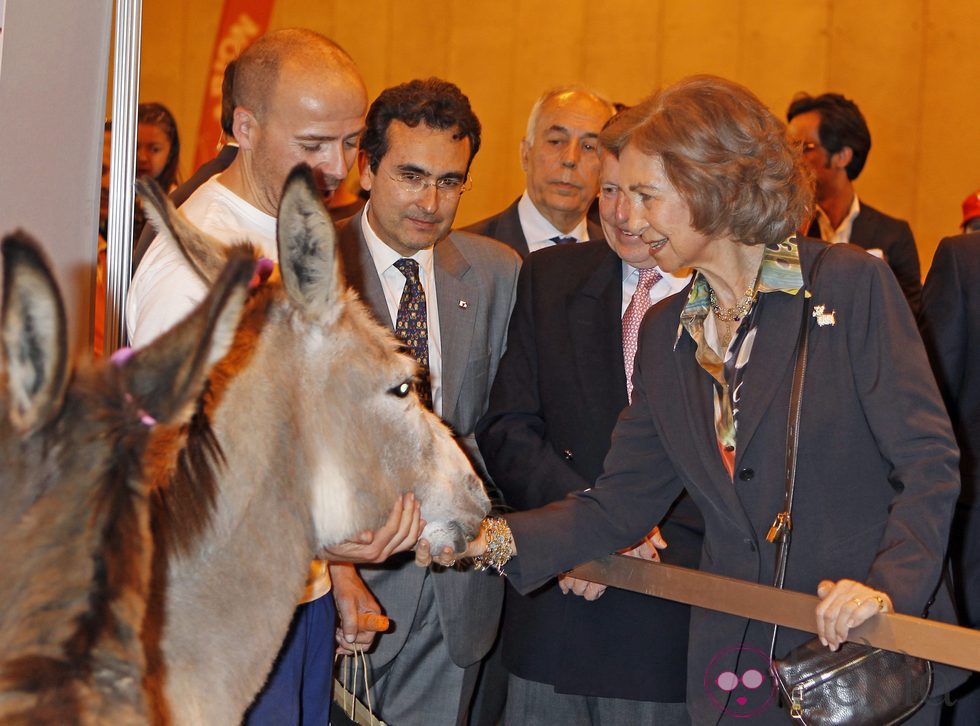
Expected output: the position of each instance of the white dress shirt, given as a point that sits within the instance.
(393, 282)
(842, 233)
(538, 231)
(669, 284)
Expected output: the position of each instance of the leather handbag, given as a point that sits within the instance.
(856, 684)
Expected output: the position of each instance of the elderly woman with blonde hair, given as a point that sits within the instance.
(712, 183)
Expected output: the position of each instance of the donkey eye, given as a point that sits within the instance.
(402, 389)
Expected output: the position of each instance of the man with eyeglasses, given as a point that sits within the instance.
(560, 158)
(448, 296)
(835, 141)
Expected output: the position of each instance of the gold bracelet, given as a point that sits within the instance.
(496, 532)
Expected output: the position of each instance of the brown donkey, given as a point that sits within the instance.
(309, 431)
(74, 514)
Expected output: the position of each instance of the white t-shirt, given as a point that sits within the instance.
(165, 287)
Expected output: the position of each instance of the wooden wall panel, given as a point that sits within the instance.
(911, 65)
(699, 37)
(623, 50)
(949, 141)
(783, 49)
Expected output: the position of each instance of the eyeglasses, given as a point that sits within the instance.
(808, 146)
(414, 183)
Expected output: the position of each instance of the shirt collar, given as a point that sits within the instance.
(779, 271)
(843, 231)
(538, 229)
(383, 255)
(669, 281)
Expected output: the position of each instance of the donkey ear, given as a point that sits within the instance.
(307, 246)
(35, 337)
(169, 374)
(204, 253)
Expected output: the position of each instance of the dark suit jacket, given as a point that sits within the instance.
(950, 323)
(876, 230)
(179, 195)
(876, 481)
(506, 227)
(553, 406)
(484, 274)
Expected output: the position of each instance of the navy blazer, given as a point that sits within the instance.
(506, 227)
(876, 230)
(950, 323)
(877, 475)
(558, 392)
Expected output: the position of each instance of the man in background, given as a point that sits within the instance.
(448, 296)
(613, 657)
(560, 158)
(835, 141)
(950, 324)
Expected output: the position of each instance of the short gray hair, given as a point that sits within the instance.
(532, 119)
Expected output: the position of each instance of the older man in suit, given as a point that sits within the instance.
(448, 296)
(560, 157)
(561, 386)
(836, 141)
(950, 323)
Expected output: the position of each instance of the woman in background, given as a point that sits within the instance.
(157, 152)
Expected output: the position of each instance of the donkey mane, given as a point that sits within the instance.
(184, 461)
(114, 504)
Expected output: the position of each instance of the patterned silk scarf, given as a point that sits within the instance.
(779, 272)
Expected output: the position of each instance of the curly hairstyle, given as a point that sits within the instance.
(725, 153)
(437, 103)
(841, 124)
(156, 114)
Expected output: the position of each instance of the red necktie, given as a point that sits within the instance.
(639, 304)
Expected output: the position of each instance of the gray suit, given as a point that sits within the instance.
(483, 274)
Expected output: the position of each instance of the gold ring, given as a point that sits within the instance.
(881, 602)
(857, 601)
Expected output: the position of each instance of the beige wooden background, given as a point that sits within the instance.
(913, 66)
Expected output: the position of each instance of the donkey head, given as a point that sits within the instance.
(73, 510)
(335, 387)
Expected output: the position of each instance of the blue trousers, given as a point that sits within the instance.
(298, 690)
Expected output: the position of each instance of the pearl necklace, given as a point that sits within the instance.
(732, 314)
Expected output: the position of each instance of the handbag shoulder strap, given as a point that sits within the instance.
(782, 527)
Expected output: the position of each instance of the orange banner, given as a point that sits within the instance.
(242, 21)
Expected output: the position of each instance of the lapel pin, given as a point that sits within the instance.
(463, 304)
(824, 318)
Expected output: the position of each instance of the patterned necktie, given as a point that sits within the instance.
(412, 326)
(639, 304)
(564, 240)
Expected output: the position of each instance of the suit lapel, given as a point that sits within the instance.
(458, 300)
(595, 326)
(359, 269)
(510, 229)
(773, 353)
(864, 230)
(594, 231)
